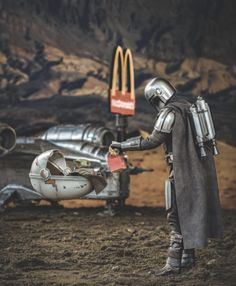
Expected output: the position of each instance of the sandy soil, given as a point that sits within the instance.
(78, 246)
(147, 189)
(48, 246)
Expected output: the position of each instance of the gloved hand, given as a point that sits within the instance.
(115, 148)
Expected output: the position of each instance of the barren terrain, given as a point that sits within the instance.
(77, 244)
(47, 246)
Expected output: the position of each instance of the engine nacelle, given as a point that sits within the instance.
(98, 135)
(7, 139)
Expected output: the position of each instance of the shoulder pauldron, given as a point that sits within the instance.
(165, 120)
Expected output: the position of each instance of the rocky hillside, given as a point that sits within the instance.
(163, 29)
(51, 52)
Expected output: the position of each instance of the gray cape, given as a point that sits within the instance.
(196, 186)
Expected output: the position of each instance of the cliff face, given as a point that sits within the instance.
(54, 50)
(165, 29)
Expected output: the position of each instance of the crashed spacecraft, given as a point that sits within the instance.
(72, 160)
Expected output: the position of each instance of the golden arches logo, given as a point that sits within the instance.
(122, 89)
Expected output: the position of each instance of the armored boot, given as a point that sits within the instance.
(188, 258)
(173, 262)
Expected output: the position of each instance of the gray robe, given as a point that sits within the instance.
(196, 186)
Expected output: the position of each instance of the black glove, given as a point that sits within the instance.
(115, 148)
(115, 145)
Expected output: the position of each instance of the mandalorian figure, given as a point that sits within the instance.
(191, 191)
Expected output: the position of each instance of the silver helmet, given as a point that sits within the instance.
(158, 91)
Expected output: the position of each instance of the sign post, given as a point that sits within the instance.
(122, 90)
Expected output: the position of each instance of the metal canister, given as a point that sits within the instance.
(203, 125)
(198, 130)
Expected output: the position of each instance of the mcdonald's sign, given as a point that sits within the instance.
(122, 93)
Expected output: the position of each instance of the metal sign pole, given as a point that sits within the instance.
(121, 124)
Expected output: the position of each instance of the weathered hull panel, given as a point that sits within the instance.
(61, 187)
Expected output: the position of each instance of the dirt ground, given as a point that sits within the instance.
(61, 246)
(75, 245)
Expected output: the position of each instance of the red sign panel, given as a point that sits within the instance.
(122, 103)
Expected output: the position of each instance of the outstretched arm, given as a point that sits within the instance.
(160, 133)
(154, 140)
(139, 143)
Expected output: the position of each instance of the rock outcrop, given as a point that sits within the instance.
(54, 52)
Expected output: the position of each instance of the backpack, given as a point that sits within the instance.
(202, 125)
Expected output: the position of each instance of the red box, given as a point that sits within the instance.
(116, 163)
